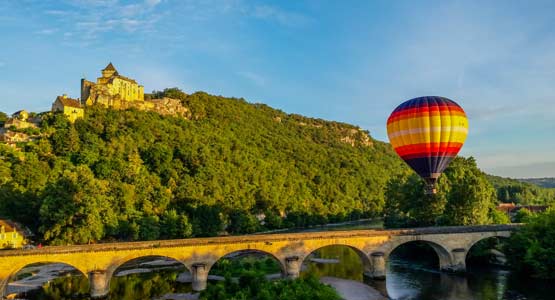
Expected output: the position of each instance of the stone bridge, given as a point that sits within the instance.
(98, 262)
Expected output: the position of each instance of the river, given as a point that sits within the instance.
(413, 277)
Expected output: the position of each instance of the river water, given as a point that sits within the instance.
(415, 278)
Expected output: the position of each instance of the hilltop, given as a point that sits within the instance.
(127, 174)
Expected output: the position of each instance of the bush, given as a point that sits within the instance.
(531, 250)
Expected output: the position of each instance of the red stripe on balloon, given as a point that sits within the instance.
(430, 148)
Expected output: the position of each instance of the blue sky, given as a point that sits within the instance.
(351, 61)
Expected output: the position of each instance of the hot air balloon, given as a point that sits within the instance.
(427, 133)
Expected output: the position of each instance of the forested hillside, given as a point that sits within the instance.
(135, 175)
(138, 175)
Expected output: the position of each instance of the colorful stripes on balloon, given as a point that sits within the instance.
(428, 132)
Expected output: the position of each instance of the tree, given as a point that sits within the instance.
(471, 198)
(76, 208)
(175, 226)
(207, 220)
(3, 118)
(523, 215)
(531, 250)
(149, 228)
(408, 206)
(242, 222)
(464, 197)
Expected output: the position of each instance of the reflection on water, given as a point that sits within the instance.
(349, 266)
(420, 279)
(128, 287)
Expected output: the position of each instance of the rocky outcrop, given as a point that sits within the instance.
(169, 106)
(356, 137)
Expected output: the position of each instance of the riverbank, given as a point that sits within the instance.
(352, 290)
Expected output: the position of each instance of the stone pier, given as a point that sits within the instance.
(293, 267)
(378, 266)
(99, 282)
(200, 276)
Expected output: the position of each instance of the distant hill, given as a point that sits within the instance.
(521, 192)
(543, 182)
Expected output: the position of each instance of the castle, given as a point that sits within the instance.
(117, 92)
(111, 89)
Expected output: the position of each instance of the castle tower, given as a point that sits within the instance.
(109, 71)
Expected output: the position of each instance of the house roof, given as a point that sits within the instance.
(109, 67)
(8, 225)
(17, 113)
(69, 102)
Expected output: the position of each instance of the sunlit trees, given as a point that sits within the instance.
(464, 197)
(531, 250)
(76, 208)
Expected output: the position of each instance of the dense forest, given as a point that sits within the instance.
(139, 175)
(136, 175)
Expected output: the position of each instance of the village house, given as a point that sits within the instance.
(10, 236)
(71, 108)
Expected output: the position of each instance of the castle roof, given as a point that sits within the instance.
(109, 67)
(116, 75)
(69, 102)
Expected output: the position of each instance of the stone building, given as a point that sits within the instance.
(21, 115)
(111, 90)
(10, 236)
(70, 107)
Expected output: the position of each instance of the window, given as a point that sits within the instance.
(14, 235)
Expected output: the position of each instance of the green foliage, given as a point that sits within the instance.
(235, 266)
(464, 197)
(523, 193)
(522, 215)
(174, 225)
(76, 207)
(229, 163)
(531, 250)
(3, 118)
(408, 206)
(254, 286)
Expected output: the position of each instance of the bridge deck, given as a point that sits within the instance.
(257, 238)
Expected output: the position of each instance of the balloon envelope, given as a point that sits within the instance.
(427, 133)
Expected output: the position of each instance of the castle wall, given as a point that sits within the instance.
(86, 89)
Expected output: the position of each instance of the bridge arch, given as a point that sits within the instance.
(444, 254)
(487, 235)
(131, 257)
(280, 262)
(20, 266)
(363, 257)
(35, 264)
(486, 243)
